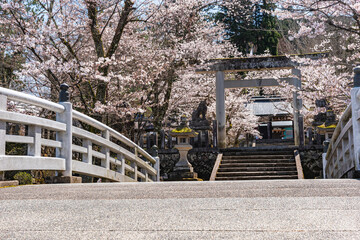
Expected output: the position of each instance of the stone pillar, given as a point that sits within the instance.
(318, 138)
(155, 137)
(162, 137)
(155, 155)
(65, 137)
(206, 136)
(220, 109)
(310, 136)
(169, 140)
(148, 141)
(324, 162)
(3, 107)
(214, 133)
(141, 141)
(297, 105)
(301, 130)
(355, 107)
(157, 167)
(357, 77)
(296, 119)
(269, 128)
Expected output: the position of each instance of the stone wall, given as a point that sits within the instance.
(168, 159)
(311, 161)
(202, 160)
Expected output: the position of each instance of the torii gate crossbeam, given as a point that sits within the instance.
(221, 66)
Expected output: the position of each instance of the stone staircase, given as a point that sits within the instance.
(257, 164)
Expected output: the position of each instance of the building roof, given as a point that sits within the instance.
(256, 63)
(279, 124)
(270, 108)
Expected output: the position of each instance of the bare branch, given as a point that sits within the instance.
(128, 7)
(92, 14)
(110, 17)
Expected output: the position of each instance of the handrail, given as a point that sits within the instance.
(344, 121)
(340, 158)
(299, 168)
(216, 167)
(344, 118)
(99, 125)
(129, 165)
(27, 98)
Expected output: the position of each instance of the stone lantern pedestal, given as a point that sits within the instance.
(183, 171)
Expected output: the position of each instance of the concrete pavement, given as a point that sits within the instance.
(289, 209)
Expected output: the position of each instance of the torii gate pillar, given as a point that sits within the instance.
(298, 119)
(220, 66)
(220, 109)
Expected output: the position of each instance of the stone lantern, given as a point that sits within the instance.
(183, 169)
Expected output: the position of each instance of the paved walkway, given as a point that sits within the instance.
(291, 209)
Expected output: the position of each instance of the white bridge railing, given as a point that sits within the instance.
(342, 159)
(102, 153)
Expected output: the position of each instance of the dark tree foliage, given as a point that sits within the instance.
(252, 29)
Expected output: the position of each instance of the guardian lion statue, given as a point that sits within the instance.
(200, 112)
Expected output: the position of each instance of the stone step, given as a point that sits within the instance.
(257, 164)
(257, 152)
(257, 161)
(253, 169)
(278, 156)
(252, 164)
(268, 177)
(257, 173)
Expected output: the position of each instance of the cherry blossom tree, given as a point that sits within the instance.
(335, 24)
(120, 57)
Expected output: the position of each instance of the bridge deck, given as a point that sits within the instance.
(302, 209)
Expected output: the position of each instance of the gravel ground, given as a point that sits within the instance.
(291, 209)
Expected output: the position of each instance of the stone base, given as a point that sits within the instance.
(182, 176)
(183, 169)
(200, 125)
(9, 183)
(191, 179)
(356, 175)
(64, 179)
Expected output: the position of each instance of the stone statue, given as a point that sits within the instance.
(319, 119)
(64, 94)
(198, 118)
(321, 103)
(200, 112)
(328, 118)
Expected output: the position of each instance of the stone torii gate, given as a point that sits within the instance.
(222, 66)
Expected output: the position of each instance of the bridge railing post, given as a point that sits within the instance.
(3, 107)
(35, 148)
(122, 159)
(155, 155)
(105, 150)
(135, 174)
(355, 106)
(65, 137)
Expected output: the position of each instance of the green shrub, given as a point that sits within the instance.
(23, 178)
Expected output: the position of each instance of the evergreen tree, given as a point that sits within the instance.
(253, 29)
